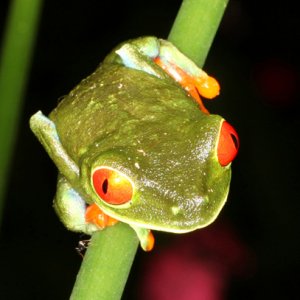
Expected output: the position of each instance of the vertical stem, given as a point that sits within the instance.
(106, 265)
(15, 61)
(195, 27)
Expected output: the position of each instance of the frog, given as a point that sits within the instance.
(133, 143)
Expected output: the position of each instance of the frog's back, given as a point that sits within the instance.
(112, 97)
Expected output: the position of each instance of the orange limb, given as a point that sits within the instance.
(150, 242)
(206, 86)
(96, 216)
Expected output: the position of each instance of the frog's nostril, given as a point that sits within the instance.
(228, 144)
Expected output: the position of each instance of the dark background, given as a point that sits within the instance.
(255, 58)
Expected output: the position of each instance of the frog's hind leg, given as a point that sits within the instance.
(183, 70)
(139, 54)
(71, 208)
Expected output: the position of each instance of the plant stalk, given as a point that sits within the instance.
(106, 264)
(195, 27)
(17, 49)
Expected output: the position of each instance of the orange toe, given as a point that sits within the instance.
(208, 87)
(205, 86)
(96, 216)
(150, 241)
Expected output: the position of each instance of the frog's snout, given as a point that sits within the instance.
(228, 144)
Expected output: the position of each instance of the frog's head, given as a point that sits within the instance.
(174, 178)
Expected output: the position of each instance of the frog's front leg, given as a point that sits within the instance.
(74, 213)
(77, 216)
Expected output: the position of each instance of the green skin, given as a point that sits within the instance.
(131, 116)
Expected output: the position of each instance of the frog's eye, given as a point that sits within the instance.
(228, 144)
(112, 186)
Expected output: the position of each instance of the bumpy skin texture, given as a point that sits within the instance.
(131, 116)
(152, 131)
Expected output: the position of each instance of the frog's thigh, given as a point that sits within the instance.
(71, 208)
(148, 45)
(139, 55)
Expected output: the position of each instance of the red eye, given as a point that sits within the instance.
(228, 144)
(112, 186)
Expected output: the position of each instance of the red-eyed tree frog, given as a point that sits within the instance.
(132, 144)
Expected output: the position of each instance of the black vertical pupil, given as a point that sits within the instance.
(235, 140)
(105, 186)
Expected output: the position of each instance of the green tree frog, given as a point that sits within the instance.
(132, 145)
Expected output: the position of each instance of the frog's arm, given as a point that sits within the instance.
(45, 131)
(74, 213)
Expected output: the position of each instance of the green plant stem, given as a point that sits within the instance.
(195, 27)
(17, 48)
(106, 265)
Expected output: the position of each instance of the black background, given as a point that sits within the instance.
(255, 58)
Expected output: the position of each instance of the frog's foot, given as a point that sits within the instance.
(96, 216)
(204, 85)
(145, 236)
